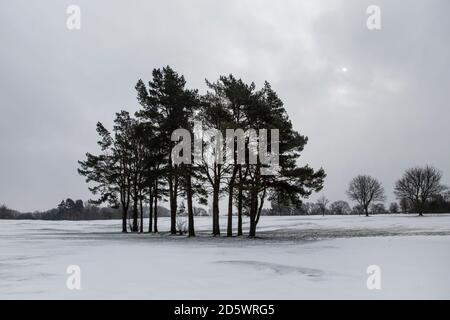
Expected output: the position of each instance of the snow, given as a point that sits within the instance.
(293, 258)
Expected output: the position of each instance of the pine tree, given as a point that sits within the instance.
(168, 106)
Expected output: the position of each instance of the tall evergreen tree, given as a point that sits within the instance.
(110, 171)
(168, 105)
(215, 119)
(291, 181)
(231, 96)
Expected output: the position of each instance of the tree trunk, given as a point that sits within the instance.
(173, 206)
(216, 227)
(230, 205)
(150, 214)
(155, 228)
(420, 209)
(252, 231)
(230, 213)
(258, 215)
(253, 212)
(175, 201)
(172, 217)
(124, 218)
(135, 216)
(240, 203)
(191, 231)
(141, 207)
(172, 196)
(135, 208)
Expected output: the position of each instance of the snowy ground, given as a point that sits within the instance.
(294, 258)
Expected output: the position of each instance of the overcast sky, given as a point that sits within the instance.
(374, 102)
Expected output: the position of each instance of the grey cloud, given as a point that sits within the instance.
(388, 112)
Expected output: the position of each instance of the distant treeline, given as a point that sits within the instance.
(66, 210)
(78, 210)
(438, 204)
(419, 191)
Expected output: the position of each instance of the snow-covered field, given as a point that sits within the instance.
(294, 258)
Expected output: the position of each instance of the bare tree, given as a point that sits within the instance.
(378, 208)
(340, 208)
(322, 203)
(394, 207)
(365, 190)
(418, 185)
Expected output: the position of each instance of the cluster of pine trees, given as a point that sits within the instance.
(134, 169)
